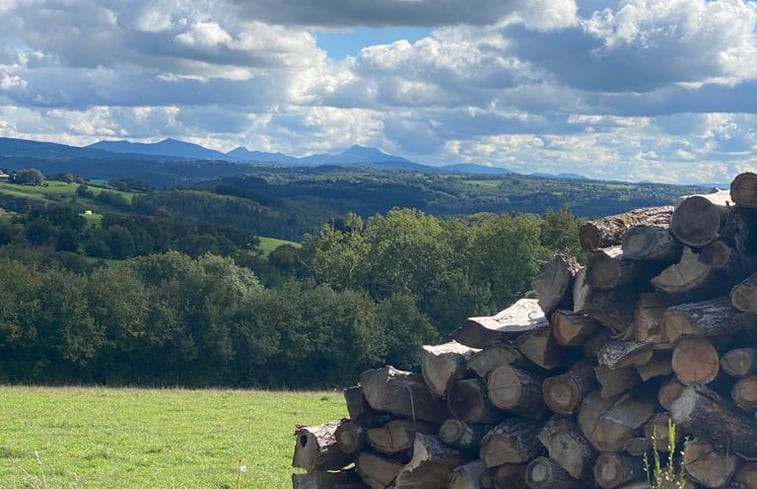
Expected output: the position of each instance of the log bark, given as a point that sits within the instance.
(563, 393)
(746, 477)
(713, 317)
(495, 356)
(706, 466)
(567, 446)
(572, 328)
(443, 364)
(659, 366)
(316, 448)
(462, 435)
(544, 473)
(620, 354)
(516, 391)
(467, 476)
(468, 400)
(609, 269)
(735, 430)
(582, 293)
(324, 480)
(510, 476)
(698, 219)
(613, 308)
(612, 470)
(744, 393)
(403, 394)
(609, 231)
(614, 382)
(356, 402)
(609, 423)
(554, 284)
(744, 295)
(669, 392)
(651, 243)
(350, 438)
(523, 316)
(397, 435)
(656, 430)
(740, 362)
(744, 190)
(377, 471)
(431, 465)
(510, 442)
(541, 348)
(695, 360)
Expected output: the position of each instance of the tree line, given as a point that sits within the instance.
(357, 294)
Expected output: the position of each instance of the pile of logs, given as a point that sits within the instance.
(572, 389)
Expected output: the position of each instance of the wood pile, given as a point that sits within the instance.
(572, 389)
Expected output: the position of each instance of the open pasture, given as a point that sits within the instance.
(94, 438)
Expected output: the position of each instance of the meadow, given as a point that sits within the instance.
(94, 438)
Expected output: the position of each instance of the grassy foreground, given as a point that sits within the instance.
(92, 438)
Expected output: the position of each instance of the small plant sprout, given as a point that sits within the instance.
(240, 468)
(670, 476)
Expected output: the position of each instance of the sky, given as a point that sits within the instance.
(655, 90)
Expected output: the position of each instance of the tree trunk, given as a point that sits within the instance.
(608, 269)
(572, 328)
(378, 472)
(510, 476)
(350, 438)
(657, 432)
(397, 435)
(746, 476)
(706, 466)
(541, 349)
(468, 400)
(567, 446)
(462, 435)
(609, 423)
(443, 364)
(620, 354)
(695, 360)
(431, 465)
(523, 316)
(698, 219)
(316, 448)
(323, 480)
(734, 432)
(651, 243)
(554, 284)
(467, 476)
(740, 362)
(609, 231)
(614, 382)
(511, 442)
(669, 392)
(403, 394)
(612, 470)
(517, 391)
(744, 393)
(544, 473)
(708, 318)
(649, 310)
(563, 393)
(658, 366)
(744, 189)
(613, 308)
(495, 356)
(744, 295)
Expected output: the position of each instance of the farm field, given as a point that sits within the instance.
(267, 245)
(93, 438)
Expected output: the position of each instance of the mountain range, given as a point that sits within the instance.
(174, 149)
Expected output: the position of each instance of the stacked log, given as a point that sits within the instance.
(574, 388)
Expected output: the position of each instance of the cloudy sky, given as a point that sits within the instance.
(661, 90)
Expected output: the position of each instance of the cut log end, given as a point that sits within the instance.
(695, 360)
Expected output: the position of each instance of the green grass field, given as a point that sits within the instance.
(267, 245)
(53, 189)
(93, 438)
